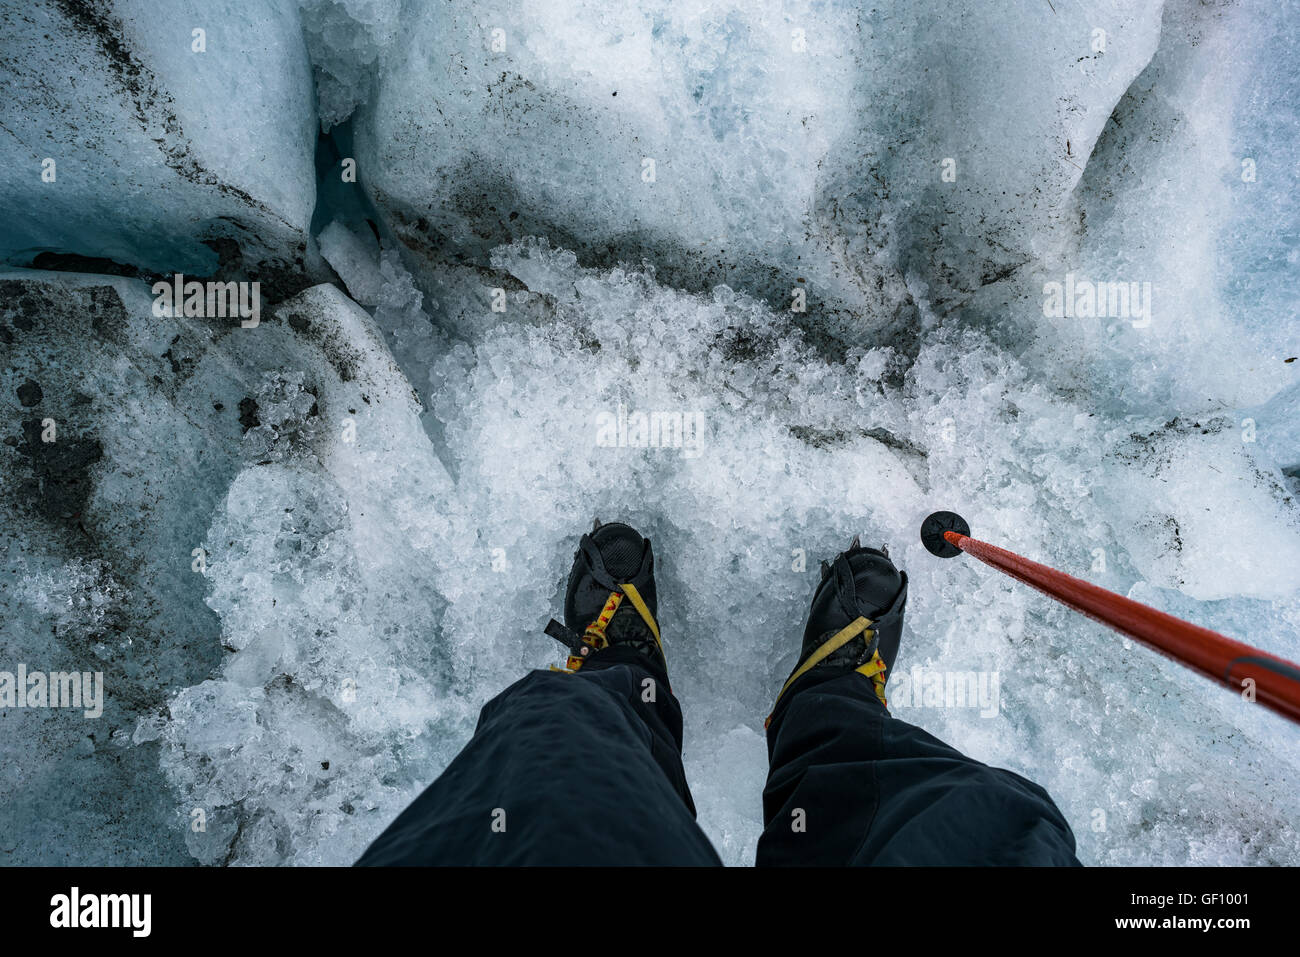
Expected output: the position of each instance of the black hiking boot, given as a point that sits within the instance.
(855, 622)
(611, 599)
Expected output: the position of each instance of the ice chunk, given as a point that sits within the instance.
(803, 148)
(346, 39)
(323, 566)
(163, 136)
(1209, 517)
(1158, 324)
(1259, 245)
(128, 430)
(355, 259)
(1276, 426)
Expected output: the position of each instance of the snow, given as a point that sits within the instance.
(386, 477)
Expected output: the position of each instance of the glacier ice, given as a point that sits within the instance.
(304, 554)
(766, 147)
(346, 41)
(123, 141)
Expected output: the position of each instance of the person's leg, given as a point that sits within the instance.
(562, 769)
(569, 768)
(851, 785)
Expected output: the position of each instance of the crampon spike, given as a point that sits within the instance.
(1275, 682)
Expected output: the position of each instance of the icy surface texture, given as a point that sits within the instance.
(346, 39)
(1278, 429)
(196, 531)
(159, 151)
(324, 561)
(1165, 203)
(387, 485)
(96, 565)
(753, 144)
(798, 453)
(1260, 246)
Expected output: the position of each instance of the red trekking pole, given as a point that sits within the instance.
(1219, 658)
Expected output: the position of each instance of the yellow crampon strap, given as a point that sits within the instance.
(644, 611)
(594, 636)
(595, 633)
(873, 669)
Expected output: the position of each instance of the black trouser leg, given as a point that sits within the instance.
(578, 768)
(850, 784)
